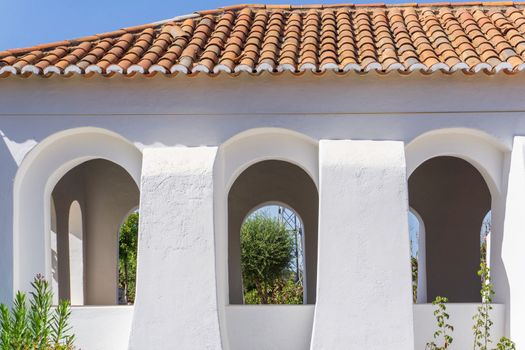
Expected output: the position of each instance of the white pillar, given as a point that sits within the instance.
(364, 291)
(176, 303)
(76, 254)
(54, 254)
(514, 242)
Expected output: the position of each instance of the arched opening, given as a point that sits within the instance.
(452, 199)
(127, 256)
(37, 176)
(273, 181)
(272, 256)
(90, 201)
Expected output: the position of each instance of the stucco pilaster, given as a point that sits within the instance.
(364, 298)
(514, 242)
(176, 303)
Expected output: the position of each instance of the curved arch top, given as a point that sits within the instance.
(272, 181)
(272, 203)
(101, 143)
(36, 177)
(481, 150)
(256, 145)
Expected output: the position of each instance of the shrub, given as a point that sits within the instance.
(279, 292)
(266, 252)
(34, 325)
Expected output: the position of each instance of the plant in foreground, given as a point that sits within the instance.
(36, 327)
(444, 328)
(505, 344)
(482, 321)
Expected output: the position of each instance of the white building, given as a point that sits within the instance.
(350, 115)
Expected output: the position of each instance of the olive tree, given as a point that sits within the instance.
(266, 252)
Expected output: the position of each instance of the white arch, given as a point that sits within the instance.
(256, 145)
(234, 156)
(36, 177)
(479, 149)
(270, 204)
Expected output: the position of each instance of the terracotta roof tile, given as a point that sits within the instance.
(471, 37)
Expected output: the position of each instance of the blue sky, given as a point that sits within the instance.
(30, 22)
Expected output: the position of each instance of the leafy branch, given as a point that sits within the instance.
(443, 334)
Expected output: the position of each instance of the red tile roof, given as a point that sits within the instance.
(469, 37)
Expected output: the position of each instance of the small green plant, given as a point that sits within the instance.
(34, 325)
(482, 321)
(443, 334)
(506, 344)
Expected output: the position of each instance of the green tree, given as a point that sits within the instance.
(128, 241)
(266, 252)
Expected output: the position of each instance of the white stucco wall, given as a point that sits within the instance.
(514, 241)
(101, 327)
(266, 327)
(271, 327)
(139, 113)
(176, 298)
(364, 281)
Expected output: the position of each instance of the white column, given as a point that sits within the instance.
(54, 254)
(364, 291)
(176, 303)
(514, 242)
(76, 254)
